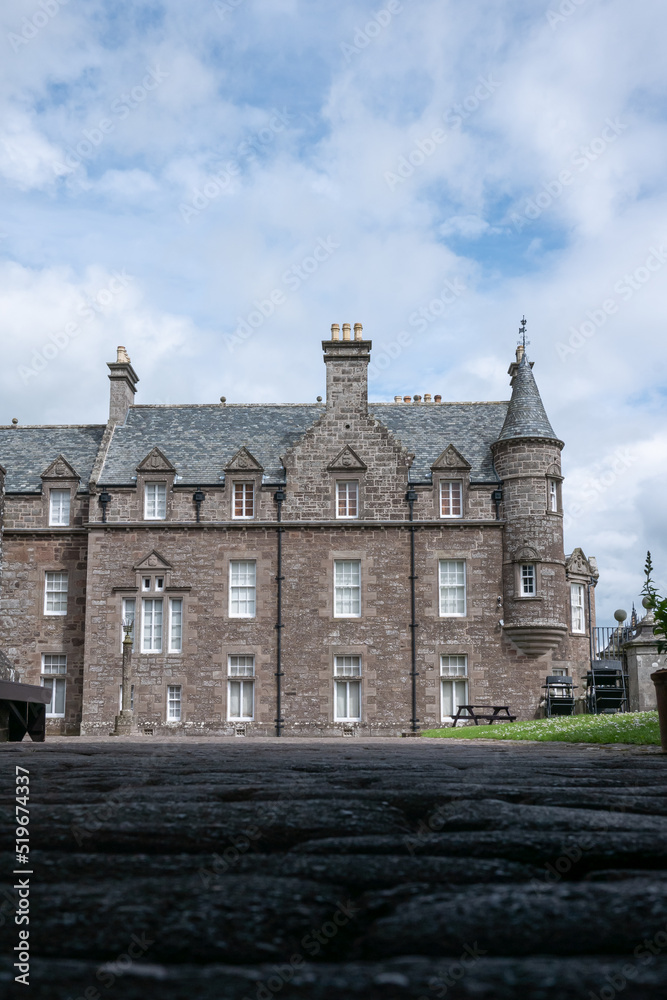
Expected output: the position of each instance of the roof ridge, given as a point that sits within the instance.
(51, 427)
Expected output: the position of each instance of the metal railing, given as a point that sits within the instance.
(607, 643)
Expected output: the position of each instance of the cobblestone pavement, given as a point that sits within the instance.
(319, 870)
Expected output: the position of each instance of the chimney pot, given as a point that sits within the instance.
(427, 397)
(398, 399)
(335, 331)
(122, 357)
(437, 399)
(407, 399)
(346, 331)
(417, 399)
(358, 331)
(223, 400)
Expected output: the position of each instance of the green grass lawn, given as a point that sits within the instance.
(627, 727)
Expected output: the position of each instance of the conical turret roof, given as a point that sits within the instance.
(526, 416)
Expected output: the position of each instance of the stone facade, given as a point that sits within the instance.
(157, 527)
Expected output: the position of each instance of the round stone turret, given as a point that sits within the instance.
(527, 459)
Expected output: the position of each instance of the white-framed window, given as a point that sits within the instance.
(577, 607)
(129, 614)
(244, 500)
(451, 499)
(241, 688)
(527, 580)
(347, 498)
(155, 501)
(55, 594)
(452, 588)
(151, 626)
(242, 588)
(59, 508)
(176, 625)
(174, 703)
(347, 588)
(560, 692)
(553, 496)
(347, 684)
(54, 665)
(146, 583)
(453, 684)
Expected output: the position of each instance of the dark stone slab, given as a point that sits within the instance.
(230, 859)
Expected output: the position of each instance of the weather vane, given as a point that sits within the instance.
(522, 331)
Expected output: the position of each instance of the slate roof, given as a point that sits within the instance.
(426, 429)
(526, 416)
(201, 440)
(26, 452)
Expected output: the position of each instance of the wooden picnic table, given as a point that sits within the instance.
(499, 713)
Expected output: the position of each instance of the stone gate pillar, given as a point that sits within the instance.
(643, 660)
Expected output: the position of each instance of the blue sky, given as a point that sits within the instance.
(166, 168)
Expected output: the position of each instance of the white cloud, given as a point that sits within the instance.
(26, 157)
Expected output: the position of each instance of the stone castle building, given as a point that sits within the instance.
(344, 567)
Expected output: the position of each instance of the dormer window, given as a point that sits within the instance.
(347, 498)
(451, 498)
(244, 501)
(155, 501)
(59, 508)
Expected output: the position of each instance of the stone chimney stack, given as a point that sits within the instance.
(347, 370)
(123, 380)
